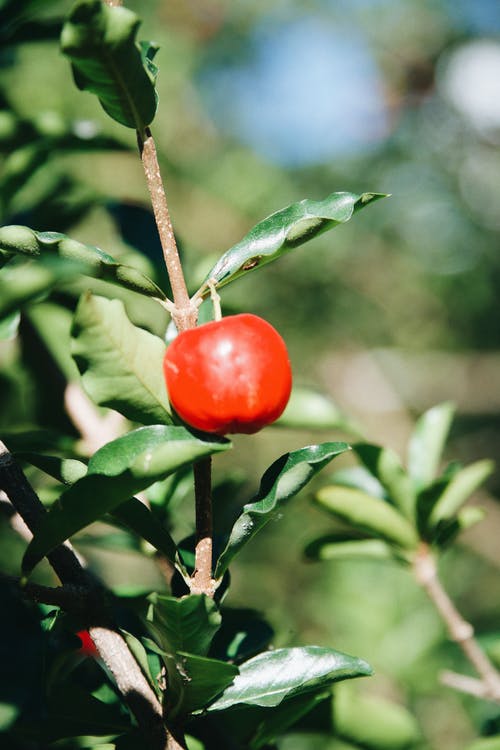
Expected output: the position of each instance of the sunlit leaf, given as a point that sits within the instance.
(344, 545)
(427, 442)
(368, 514)
(117, 471)
(121, 364)
(286, 229)
(463, 484)
(107, 61)
(284, 479)
(273, 676)
(19, 240)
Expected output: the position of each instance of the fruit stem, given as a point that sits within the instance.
(212, 285)
(202, 581)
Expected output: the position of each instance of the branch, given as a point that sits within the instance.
(459, 629)
(202, 581)
(112, 649)
(184, 312)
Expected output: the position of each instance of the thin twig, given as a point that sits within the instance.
(459, 629)
(202, 581)
(464, 684)
(113, 650)
(184, 312)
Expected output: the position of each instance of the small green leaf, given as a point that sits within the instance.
(341, 545)
(274, 676)
(286, 229)
(187, 624)
(9, 326)
(309, 409)
(427, 442)
(121, 365)
(106, 60)
(194, 681)
(20, 240)
(463, 484)
(385, 466)
(284, 479)
(116, 472)
(368, 514)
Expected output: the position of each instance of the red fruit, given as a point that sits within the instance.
(88, 647)
(230, 375)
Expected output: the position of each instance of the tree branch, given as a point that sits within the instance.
(459, 629)
(112, 648)
(202, 581)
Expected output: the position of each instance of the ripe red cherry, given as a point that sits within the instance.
(230, 375)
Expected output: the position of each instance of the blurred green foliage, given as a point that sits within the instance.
(415, 275)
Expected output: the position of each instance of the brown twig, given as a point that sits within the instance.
(184, 312)
(459, 629)
(202, 581)
(112, 648)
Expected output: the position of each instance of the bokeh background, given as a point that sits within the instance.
(262, 104)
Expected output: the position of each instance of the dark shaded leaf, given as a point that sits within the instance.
(106, 60)
(195, 681)
(286, 229)
(187, 624)
(243, 633)
(284, 479)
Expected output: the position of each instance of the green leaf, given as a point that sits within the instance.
(447, 530)
(187, 624)
(427, 442)
(141, 656)
(9, 326)
(274, 676)
(53, 325)
(385, 725)
(194, 681)
(137, 517)
(385, 466)
(369, 514)
(243, 634)
(309, 409)
(463, 484)
(25, 283)
(117, 471)
(342, 545)
(20, 240)
(121, 365)
(271, 724)
(286, 229)
(284, 479)
(107, 61)
(65, 470)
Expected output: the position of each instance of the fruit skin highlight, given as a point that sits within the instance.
(228, 376)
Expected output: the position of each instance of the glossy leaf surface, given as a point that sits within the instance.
(284, 479)
(120, 364)
(19, 240)
(286, 229)
(117, 471)
(368, 514)
(107, 61)
(272, 677)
